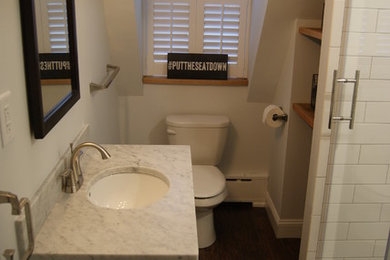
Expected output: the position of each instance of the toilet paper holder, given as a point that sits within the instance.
(282, 117)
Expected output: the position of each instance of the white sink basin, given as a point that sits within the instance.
(128, 188)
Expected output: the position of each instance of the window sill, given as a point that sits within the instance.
(56, 81)
(204, 82)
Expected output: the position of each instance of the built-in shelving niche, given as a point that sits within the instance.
(305, 111)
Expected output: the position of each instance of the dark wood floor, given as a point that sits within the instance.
(245, 233)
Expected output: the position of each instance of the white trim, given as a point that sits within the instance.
(283, 228)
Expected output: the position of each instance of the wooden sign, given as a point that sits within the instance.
(54, 66)
(197, 66)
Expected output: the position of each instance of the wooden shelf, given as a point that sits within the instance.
(205, 82)
(305, 112)
(315, 33)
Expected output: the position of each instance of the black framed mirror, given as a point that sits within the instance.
(50, 58)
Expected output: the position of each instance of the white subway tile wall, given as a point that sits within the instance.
(380, 67)
(355, 221)
(349, 64)
(368, 230)
(330, 52)
(345, 154)
(347, 248)
(334, 231)
(376, 4)
(340, 193)
(360, 20)
(383, 21)
(375, 154)
(385, 213)
(357, 174)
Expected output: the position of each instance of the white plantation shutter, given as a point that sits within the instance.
(52, 26)
(171, 24)
(58, 26)
(225, 31)
(221, 30)
(197, 26)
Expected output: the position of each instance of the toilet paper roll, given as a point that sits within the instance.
(268, 113)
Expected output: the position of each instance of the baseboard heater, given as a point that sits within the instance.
(247, 190)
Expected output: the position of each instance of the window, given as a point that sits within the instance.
(52, 26)
(197, 26)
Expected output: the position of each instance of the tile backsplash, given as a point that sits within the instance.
(47, 195)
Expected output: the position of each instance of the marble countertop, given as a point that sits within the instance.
(77, 229)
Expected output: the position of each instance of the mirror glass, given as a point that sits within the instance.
(53, 48)
(49, 40)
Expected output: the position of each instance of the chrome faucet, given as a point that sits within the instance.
(7, 197)
(72, 179)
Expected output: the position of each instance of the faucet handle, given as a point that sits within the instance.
(68, 182)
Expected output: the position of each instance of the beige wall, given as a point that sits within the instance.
(247, 151)
(273, 47)
(125, 34)
(26, 162)
(291, 143)
(258, 11)
(142, 117)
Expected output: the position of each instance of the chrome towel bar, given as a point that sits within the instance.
(112, 71)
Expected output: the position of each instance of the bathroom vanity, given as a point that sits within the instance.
(166, 229)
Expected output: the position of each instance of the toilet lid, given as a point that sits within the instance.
(208, 181)
(215, 121)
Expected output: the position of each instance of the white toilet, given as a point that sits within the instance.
(206, 134)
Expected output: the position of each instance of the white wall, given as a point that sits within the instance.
(274, 42)
(125, 32)
(247, 151)
(258, 11)
(288, 171)
(26, 162)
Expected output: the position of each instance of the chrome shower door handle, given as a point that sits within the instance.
(355, 81)
(332, 98)
(354, 99)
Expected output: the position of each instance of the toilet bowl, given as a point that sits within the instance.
(206, 135)
(210, 190)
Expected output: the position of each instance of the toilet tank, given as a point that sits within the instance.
(206, 135)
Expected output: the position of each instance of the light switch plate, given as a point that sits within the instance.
(6, 123)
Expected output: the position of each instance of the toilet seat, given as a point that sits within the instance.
(211, 202)
(209, 185)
